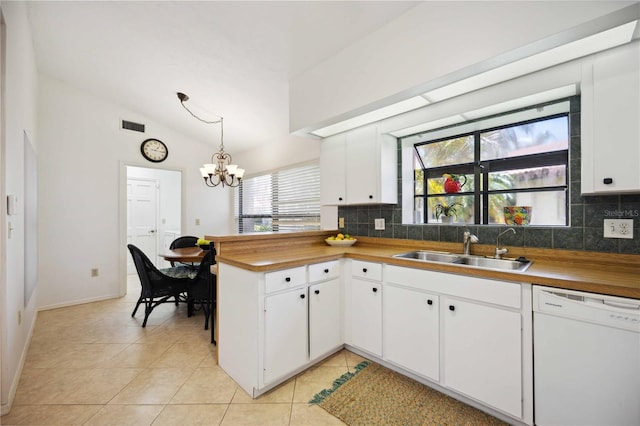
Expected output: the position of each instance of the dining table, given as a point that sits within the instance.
(184, 254)
(194, 255)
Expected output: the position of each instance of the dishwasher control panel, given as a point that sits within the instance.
(597, 308)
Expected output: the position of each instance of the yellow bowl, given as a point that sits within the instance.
(342, 243)
(517, 215)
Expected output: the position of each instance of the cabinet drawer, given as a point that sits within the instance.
(286, 278)
(324, 271)
(368, 270)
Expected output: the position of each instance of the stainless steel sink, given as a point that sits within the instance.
(430, 256)
(492, 263)
(467, 260)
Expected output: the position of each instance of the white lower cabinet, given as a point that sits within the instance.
(482, 353)
(325, 317)
(412, 330)
(364, 306)
(366, 316)
(463, 332)
(285, 333)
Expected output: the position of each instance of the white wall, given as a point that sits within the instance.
(20, 117)
(82, 184)
(424, 48)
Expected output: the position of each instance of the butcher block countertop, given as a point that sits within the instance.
(604, 273)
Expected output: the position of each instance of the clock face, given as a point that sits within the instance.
(154, 150)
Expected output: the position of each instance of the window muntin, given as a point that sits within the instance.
(518, 164)
(284, 200)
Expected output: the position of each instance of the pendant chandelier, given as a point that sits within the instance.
(220, 171)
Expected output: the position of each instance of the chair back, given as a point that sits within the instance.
(200, 285)
(154, 283)
(184, 241)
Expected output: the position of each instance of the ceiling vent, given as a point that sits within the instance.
(130, 125)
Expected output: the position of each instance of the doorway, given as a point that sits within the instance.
(154, 211)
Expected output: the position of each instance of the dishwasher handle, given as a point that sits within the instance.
(622, 305)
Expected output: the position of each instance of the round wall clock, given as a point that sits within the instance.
(154, 150)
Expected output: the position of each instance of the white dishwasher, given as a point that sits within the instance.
(586, 358)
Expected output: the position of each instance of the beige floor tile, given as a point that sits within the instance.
(282, 393)
(135, 415)
(314, 380)
(353, 359)
(153, 386)
(312, 415)
(49, 414)
(257, 415)
(206, 386)
(72, 386)
(86, 355)
(191, 414)
(336, 360)
(138, 355)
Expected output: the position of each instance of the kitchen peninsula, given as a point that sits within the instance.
(287, 300)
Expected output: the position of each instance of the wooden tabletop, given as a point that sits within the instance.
(185, 254)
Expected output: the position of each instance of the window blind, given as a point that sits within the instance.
(283, 200)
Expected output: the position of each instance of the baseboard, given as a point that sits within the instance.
(16, 377)
(77, 302)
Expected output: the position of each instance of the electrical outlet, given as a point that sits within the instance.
(618, 228)
(379, 224)
(95, 272)
(341, 222)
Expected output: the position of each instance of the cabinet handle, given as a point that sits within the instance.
(288, 279)
(317, 292)
(326, 271)
(375, 289)
(364, 270)
(452, 308)
(302, 296)
(429, 302)
(339, 198)
(607, 181)
(371, 197)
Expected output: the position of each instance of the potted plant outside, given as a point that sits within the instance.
(447, 211)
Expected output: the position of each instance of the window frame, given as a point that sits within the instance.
(482, 169)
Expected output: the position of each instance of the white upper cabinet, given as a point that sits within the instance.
(359, 167)
(610, 121)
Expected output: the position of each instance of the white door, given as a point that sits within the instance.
(411, 334)
(285, 333)
(325, 321)
(366, 315)
(142, 216)
(483, 353)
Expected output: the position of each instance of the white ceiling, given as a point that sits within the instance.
(233, 59)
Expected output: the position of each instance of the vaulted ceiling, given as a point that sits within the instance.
(233, 58)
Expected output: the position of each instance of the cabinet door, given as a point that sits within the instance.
(325, 320)
(411, 330)
(285, 333)
(610, 125)
(363, 166)
(366, 315)
(333, 171)
(483, 353)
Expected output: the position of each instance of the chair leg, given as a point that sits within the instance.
(133, 314)
(147, 310)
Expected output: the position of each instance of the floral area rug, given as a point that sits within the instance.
(375, 395)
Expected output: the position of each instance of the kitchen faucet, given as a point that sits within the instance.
(501, 251)
(467, 239)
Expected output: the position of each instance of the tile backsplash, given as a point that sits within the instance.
(584, 233)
